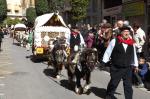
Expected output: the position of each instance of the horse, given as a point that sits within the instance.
(21, 37)
(57, 56)
(80, 65)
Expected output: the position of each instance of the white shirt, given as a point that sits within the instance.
(110, 48)
(139, 38)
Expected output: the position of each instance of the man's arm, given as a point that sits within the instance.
(109, 50)
(135, 61)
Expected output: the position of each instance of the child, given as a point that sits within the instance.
(143, 69)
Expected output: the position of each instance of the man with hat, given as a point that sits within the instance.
(75, 39)
(121, 51)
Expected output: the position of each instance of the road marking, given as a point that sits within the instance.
(2, 77)
(2, 84)
(2, 94)
(4, 64)
(5, 72)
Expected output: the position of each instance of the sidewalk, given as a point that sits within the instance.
(5, 58)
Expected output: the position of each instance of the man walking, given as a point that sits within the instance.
(122, 53)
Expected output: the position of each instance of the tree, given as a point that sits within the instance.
(56, 5)
(79, 10)
(41, 7)
(3, 10)
(30, 15)
(10, 21)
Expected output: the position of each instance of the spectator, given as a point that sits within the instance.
(104, 36)
(116, 30)
(143, 69)
(140, 38)
(89, 40)
(1, 37)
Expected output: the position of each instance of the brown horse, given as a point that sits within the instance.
(80, 66)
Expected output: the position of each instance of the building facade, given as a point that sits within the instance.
(94, 12)
(17, 8)
(113, 10)
(135, 11)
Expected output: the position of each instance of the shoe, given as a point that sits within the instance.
(140, 86)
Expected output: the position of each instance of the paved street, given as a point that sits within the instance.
(21, 78)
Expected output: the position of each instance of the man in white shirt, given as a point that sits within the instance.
(139, 37)
(121, 51)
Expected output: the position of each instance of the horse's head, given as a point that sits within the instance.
(89, 57)
(59, 56)
(59, 49)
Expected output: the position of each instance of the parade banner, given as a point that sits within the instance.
(112, 11)
(133, 9)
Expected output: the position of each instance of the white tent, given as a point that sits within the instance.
(46, 23)
(41, 20)
(20, 26)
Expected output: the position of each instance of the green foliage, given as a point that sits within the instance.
(56, 5)
(30, 15)
(16, 21)
(79, 10)
(41, 7)
(3, 10)
(10, 21)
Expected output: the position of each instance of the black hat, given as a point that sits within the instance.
(124, 28)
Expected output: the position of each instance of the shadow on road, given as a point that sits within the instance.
(36, 59)
(17, 44)
(100, 92)
(70, 86)
(49, 72)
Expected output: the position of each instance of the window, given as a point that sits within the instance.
(16, 11)
(8, 10)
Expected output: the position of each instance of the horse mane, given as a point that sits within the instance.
(59, 43)
(86, 52)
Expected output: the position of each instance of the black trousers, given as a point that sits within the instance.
(116, 75)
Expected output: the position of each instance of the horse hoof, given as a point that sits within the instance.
(86, 88)
(58, 76)
(78, 91)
